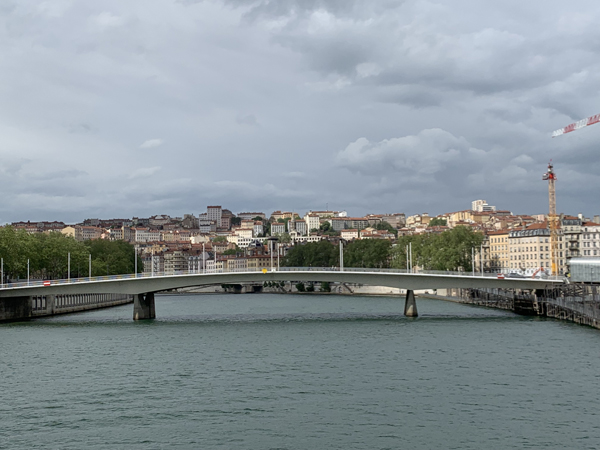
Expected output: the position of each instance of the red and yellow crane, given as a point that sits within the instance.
(551, 177)
(552, 217)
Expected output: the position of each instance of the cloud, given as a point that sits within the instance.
(151, 143)
(144, 172)
(292, 104)
(249, 119)
(426, 153)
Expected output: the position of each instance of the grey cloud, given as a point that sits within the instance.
(249, 119)
(427, 153)
(453, 101)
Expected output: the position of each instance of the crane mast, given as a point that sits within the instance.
(552, 217)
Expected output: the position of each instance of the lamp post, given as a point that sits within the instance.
(203, 259)
(2, 272)
(481, 258)
(27, 272)
(90, 265)
(135, 250)
(69, 267)
(473, 260)
(341, 255)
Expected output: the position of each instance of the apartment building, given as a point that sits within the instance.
(590, 239)
(349, 234)
(214, 213)
(312, 221)
(529, 249)
(571, 229)
(277, 228)
(146, 235)
(499, 254)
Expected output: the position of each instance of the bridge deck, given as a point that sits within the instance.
(130, 284)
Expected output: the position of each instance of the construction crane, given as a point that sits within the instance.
(551, 177)
(577, 125)
(552, 217)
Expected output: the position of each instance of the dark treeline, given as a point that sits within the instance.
(450, 250)
(48, 255)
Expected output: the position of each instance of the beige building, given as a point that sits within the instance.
(529, 249)
(350, 234)
(499, 256)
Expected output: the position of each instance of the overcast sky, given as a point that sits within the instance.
(134, 108)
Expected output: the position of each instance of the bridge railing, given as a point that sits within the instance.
(32, 283)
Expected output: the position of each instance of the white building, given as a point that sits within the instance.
(258, 228)
(590, 239)
(277, 228)
(146, 235)
(481, 206)
(214, 213)
(312, 221)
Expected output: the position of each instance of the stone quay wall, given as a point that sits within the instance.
(28, 307)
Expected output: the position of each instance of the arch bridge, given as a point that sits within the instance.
(143, 287)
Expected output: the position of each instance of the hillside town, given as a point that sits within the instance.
(221, 240)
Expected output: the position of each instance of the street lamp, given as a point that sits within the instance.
(203, 259)
(342, 241)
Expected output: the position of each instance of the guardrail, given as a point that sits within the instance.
(33, 283)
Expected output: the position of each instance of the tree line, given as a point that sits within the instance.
(47, 254)
(450, 250)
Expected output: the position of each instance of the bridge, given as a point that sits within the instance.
(143, 287)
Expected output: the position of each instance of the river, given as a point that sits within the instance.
(270, 371)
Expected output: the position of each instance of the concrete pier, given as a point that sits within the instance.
(410, 307)
(143, 306)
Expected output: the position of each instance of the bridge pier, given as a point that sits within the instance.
(143, 306)
(410, 307)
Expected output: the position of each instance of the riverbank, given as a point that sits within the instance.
(582, 309)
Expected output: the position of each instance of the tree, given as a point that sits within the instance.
(367, 253)
(387, 227)
(325, 226)
(312, 254)
(437, 222)
(284, 238)
(450, 250)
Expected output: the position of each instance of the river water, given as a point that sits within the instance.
(269, 371)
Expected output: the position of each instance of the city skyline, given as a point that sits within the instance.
(119, 109)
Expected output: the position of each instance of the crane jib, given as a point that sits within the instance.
(577, 125)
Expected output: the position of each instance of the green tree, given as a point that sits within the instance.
(367, 253)
(437, 222)
(387, 227)
(450, 250)
(111, 257)
(316, 254)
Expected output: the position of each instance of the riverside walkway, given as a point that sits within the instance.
(144, 286)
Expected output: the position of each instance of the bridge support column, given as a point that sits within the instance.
(410, 307)
(143, 306)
